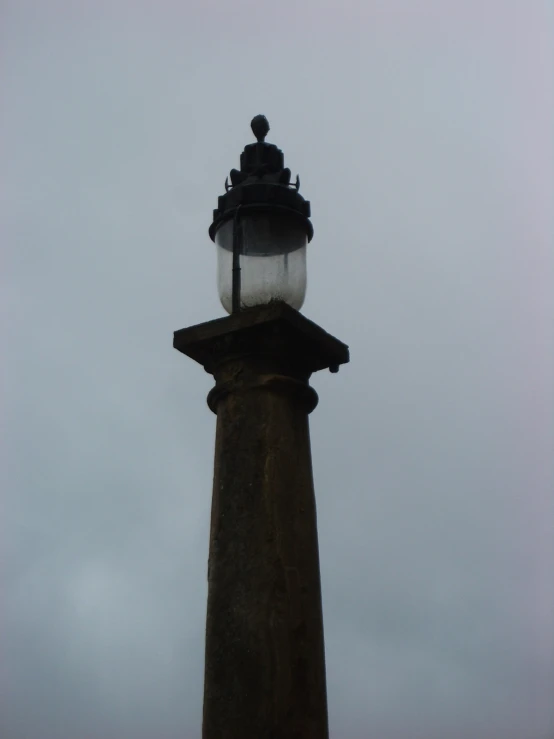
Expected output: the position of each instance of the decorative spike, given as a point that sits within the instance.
(260, 127)
(297, 182)
(227, 188)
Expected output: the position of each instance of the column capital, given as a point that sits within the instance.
(278, 338)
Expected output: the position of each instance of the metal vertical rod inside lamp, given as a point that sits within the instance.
(236, 261)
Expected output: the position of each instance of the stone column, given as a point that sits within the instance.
(265, 662)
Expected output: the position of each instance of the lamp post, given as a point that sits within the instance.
(264, 659)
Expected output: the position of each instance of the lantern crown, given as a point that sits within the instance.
(262, 183)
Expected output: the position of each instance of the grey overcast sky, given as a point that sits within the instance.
(422, 133)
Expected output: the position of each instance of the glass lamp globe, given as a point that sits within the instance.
(272, 260)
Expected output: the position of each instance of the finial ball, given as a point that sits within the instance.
(260, 127)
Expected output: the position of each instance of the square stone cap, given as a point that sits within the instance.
(304, 340)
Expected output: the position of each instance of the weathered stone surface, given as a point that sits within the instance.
(265, 664)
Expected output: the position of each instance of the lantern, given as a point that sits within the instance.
(261, 229)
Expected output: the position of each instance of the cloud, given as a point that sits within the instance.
(431, 450)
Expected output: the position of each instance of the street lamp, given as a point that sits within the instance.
(261, 228)
(264, 658)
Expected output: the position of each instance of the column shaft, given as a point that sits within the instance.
(265, 666)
